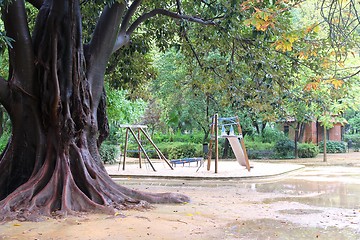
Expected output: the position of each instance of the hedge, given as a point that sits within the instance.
(333, 147)
(109, 152)
(171, 150)
(307, 150)
(355, 141)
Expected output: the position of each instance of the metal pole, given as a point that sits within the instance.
(210, 143)
(139, 137)
(125, 146)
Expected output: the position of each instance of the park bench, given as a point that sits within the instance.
(186, 160)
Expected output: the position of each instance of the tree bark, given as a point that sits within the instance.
(52, 165)
(325, 140)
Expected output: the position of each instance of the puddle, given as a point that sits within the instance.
(274, 229)
(321, 194)
(300, 211)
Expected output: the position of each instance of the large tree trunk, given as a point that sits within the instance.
(51, 165)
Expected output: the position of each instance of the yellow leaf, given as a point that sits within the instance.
(302, 55)
(341, 64)
(337, 83)
(288, 46)
(316, 29)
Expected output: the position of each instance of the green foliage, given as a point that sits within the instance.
(354, 123)
(196, 137)
(269, 135)
(284, 148)
(171, 150)
(333, 147)
(254, 145)
(307, 150)
(109, 152)
(4, 139)
(121, 110)
(355, 141)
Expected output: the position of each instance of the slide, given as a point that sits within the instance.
(238, 151)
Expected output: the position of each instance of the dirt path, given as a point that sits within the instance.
(320, 202)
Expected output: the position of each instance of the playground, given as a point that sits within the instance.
(227, 126)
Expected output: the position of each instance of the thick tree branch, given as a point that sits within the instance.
(105, 33)
(36, 3)
(125, 23)
(101, 47)
(164, 12)
(21, 55)
(124, 38)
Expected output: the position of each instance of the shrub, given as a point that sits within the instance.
(109, 152)
(284, 147)
(258, 146)
(179, 137)
(333, 147)
(271, 135)
(307, 150)
(171, 150)
(355, 141)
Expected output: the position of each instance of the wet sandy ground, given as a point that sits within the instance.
(320, 202)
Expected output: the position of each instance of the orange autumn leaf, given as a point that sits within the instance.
(311, 86)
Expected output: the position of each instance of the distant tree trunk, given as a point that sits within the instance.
(301, 133)
(54, 97)
(296, 153)
(325, 140)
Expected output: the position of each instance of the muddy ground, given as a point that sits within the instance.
(321, 201)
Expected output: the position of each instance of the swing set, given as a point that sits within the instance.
(141, 130)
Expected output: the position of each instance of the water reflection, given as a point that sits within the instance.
(322, 194)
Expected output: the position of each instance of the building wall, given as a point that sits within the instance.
(335, 133)
(310, 133)
(314, 132)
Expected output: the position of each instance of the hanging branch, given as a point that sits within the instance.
(170, 14)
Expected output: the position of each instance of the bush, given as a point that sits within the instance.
(178, 150)
(108, 152)
(179, 137)
(307, 150)
(171, 150)
(259, 150)
(284, 148)
(355, 141)
(333, 147)
(271, 135)
(258, 146)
